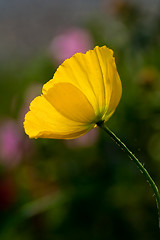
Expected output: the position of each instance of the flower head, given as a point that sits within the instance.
(85, 90)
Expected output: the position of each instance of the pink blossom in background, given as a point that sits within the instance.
(86, 140)
(68, 43)
(12, 143)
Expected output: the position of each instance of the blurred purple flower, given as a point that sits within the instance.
(86, 140)
(68, 43)
(12, 143)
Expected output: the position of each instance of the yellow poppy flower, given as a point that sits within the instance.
(85, 90)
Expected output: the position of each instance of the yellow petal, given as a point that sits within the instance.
(85, 71)
(112, 82)
(44, 121)
(70, 102)
(116, 91)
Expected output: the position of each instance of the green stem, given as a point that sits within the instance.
(137, 162)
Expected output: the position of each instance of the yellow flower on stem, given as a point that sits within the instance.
(83, 94)
(84, 91)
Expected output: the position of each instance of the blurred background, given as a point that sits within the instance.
(85, 188)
